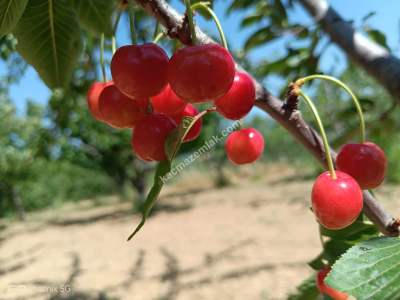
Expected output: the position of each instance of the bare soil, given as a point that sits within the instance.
(250, 240)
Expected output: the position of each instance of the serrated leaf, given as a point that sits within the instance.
(95, 15)
(48, 36)
(10, 13)
(307, 290)
(369, 270)
(172, 145)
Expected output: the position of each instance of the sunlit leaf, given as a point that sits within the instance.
(95, 15)
(369, 270)
(48, 36)
(10, 13)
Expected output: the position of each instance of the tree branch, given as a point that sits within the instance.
(373, 58)
(286, 115)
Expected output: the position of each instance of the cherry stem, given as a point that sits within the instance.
(158, 37)
(131, 10)
(192, 27)
(205, 6)
(156, 30)
(113, 40)
(314, 111)
(103, 67)
(356, 102)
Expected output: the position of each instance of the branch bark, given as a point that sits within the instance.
(375, 59)
(287, 116)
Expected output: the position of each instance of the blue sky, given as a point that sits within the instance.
(386, 20)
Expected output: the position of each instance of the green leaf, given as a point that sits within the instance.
(378, 37)
(10, 13)
(307, 290)
(259, 38)
(95, 15)
(48, 36)
(251, 20)
(369, 270)
(172, 145)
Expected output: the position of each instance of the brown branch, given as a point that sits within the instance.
(373, 58)
(291, 120)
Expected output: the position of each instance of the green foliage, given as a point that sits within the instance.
(95, 15)
(172, 145)
(55, 182)
(336, 242)
(369, 270)
(307, 290)
(10, 13)
(49, 39)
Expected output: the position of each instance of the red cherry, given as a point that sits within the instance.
(244, 146)
(149, 136)
(336, 202)
(365, 162)
(140, 70)
(190, 111)
(326, 289)
(167, 102)
(92, 98)
(240, 98)
(119, 110)
(201, 73)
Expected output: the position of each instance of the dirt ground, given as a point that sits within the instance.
(250, 240)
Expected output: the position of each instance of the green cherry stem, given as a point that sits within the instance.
(113, 40)
(189, 13)
(323, 134)
(131, 10)
(103, 67)
(215, 18)
(357, 104)
(156, 30)
(159, 36)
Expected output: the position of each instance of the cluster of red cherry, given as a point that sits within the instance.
(152, 94)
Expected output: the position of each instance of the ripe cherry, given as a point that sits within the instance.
(336, 202)
(365, 162)
(92, 98)
(244, 146)
(120, 111)
(326, 289)
(167, 102)
(201, 73)
(148, 140)
(240, 98)
(140, 70)
(190, 111)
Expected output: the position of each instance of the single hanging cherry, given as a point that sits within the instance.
(148, 139)
(365, 162)
(93, 96)
(167, 102)
(326, 289)
(201, 73)
(140, 70)
(336, 202)
(190, 111)
(240, 98)
(120, 111)
(244, 146)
